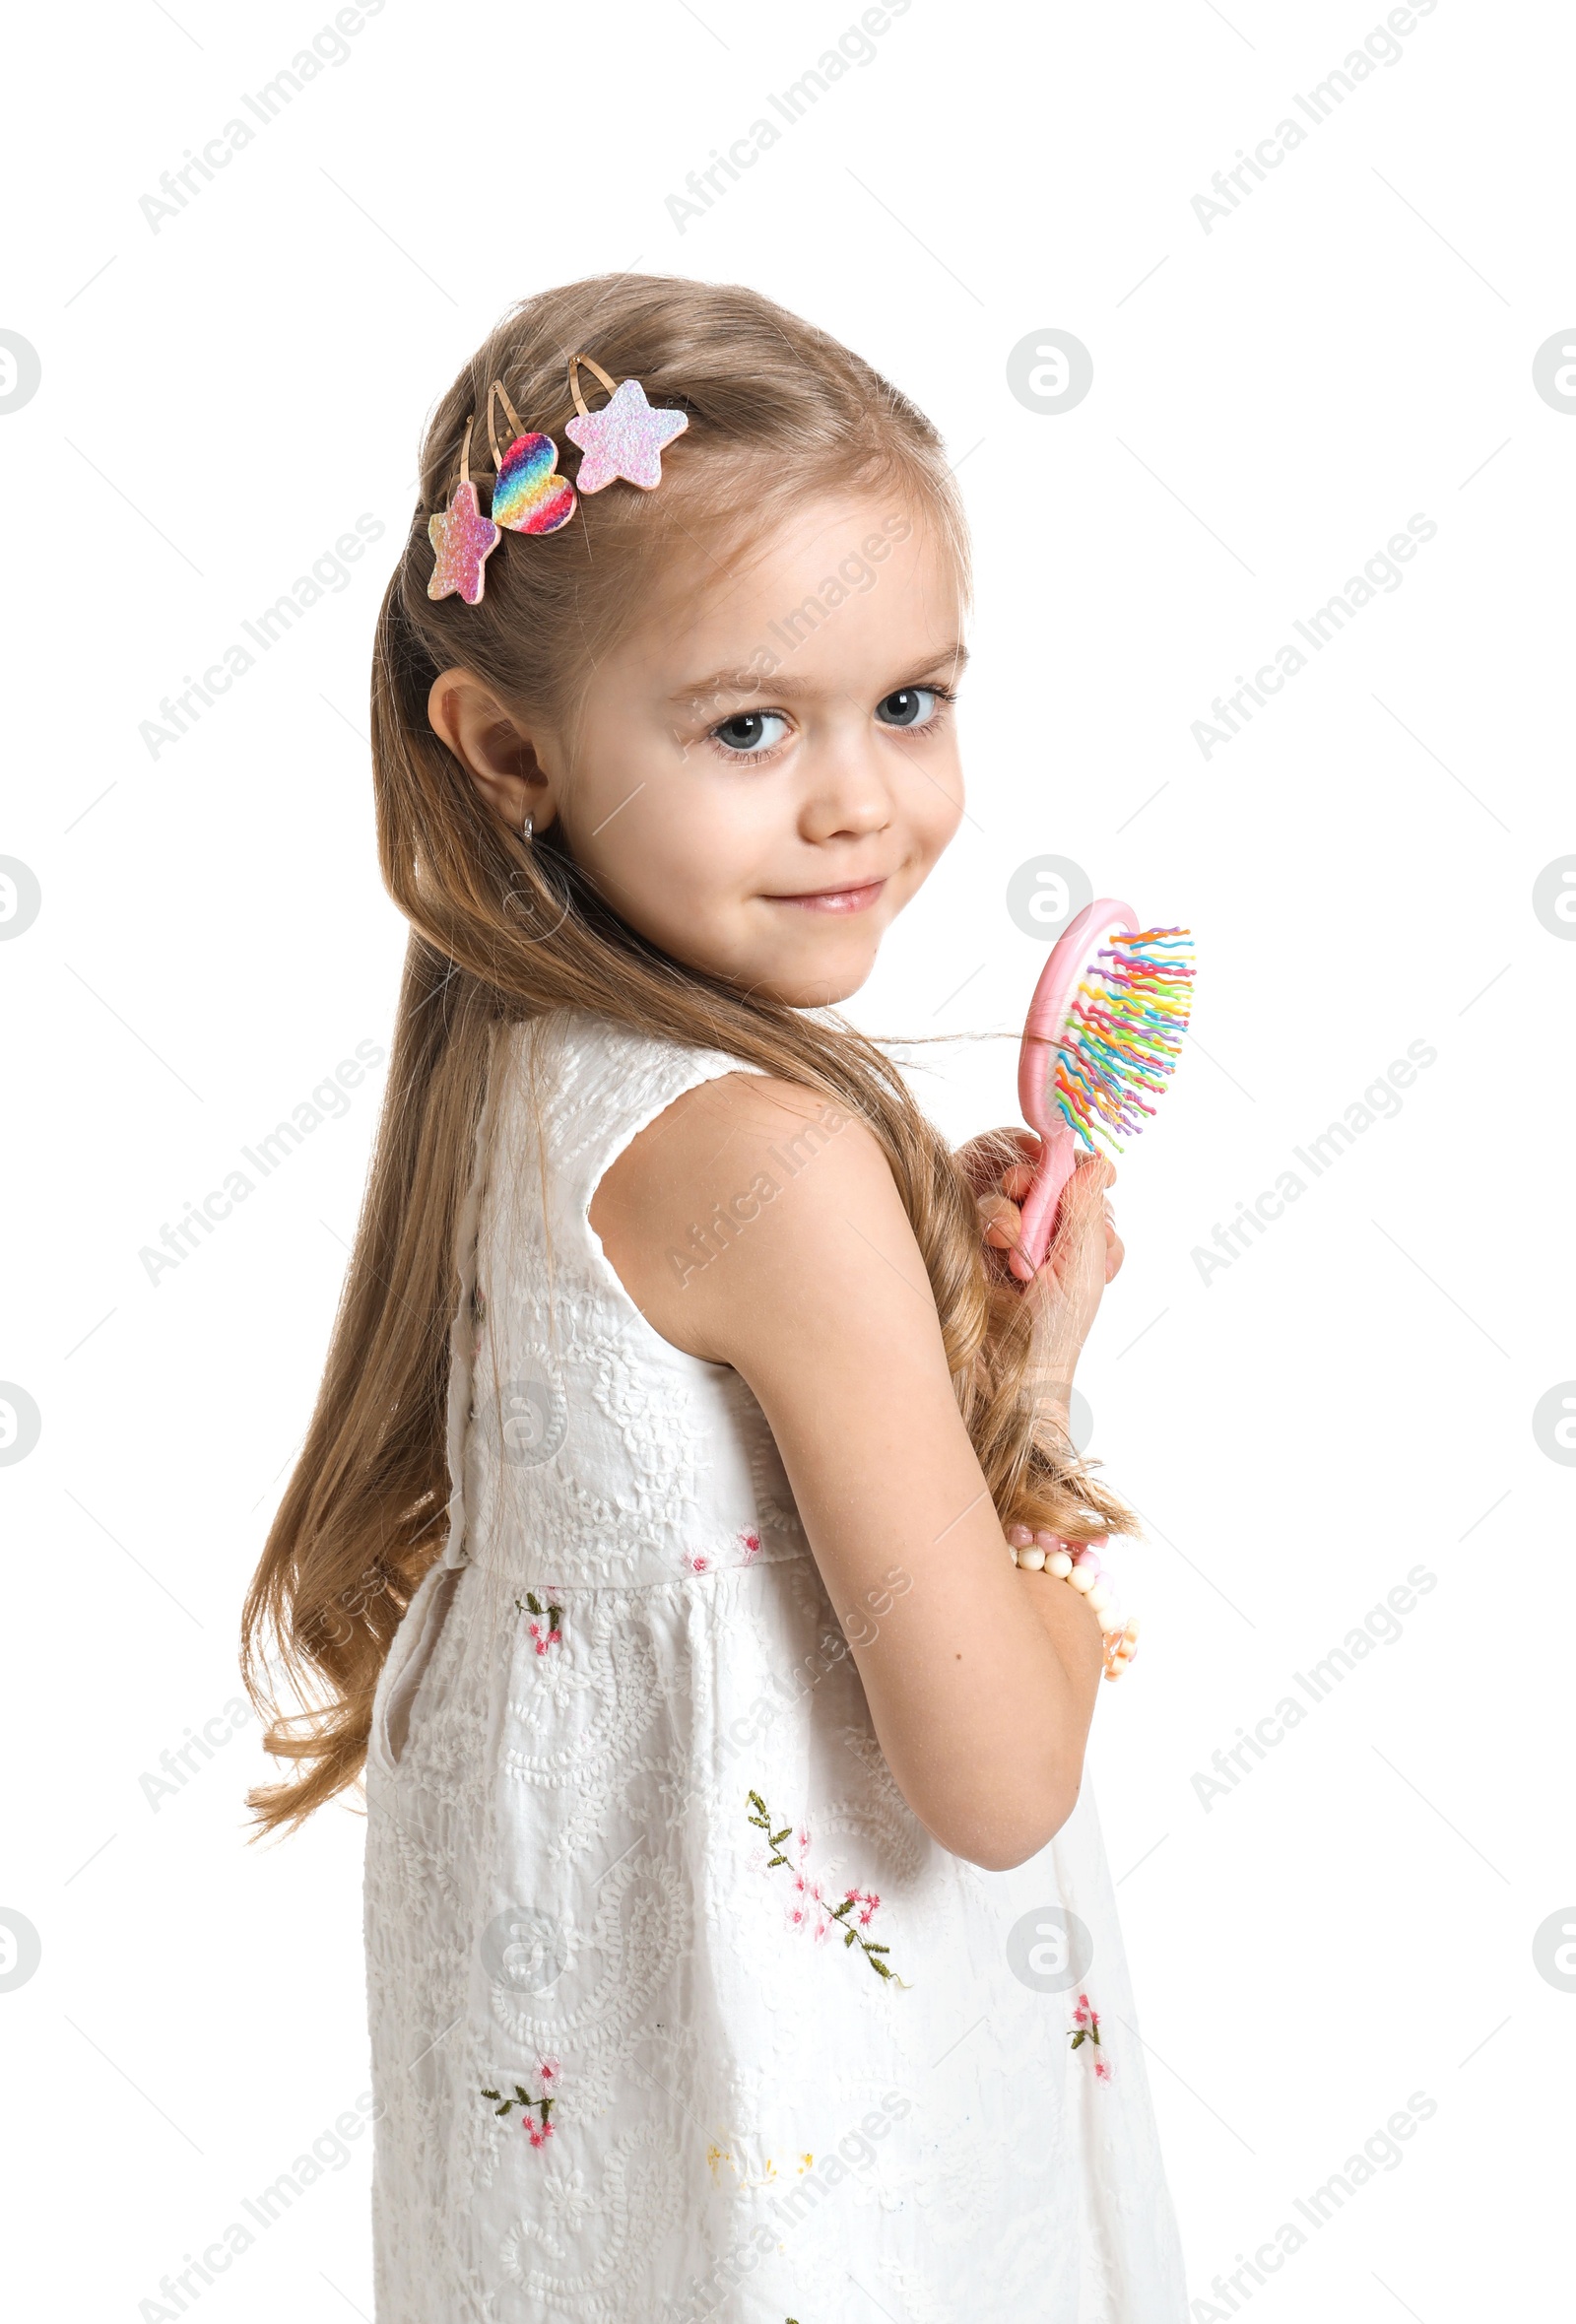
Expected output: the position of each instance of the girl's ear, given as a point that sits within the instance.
(493, 746)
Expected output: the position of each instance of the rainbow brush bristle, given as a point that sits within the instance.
(1102, 1039)
(1123, 1034)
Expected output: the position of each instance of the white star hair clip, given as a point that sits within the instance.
(626, 438)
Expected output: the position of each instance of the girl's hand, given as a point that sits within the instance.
(1086, 1250)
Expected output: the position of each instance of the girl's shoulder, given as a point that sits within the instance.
(654, 1156)
(586, 1079)
(776, 1177)
(569, 1092)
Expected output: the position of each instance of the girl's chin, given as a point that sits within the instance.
(815, 961)
(818, 985)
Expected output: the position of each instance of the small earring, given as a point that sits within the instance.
(527, 827)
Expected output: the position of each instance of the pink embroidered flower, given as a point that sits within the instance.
(550, 2069)
(544, 1633)
(1085, 2028)
(746, 1544)
(536, 2114)
(808, 1906)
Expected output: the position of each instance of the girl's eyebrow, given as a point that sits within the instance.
(754, 682)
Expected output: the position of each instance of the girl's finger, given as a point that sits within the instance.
(1003, 1222)
(1083, 1199)
(985, 1159)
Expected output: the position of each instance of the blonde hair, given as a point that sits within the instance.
(502, 930)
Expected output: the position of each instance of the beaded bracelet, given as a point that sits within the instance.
(1078, 1563)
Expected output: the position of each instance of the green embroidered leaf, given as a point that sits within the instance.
(504, 2109)
(848, 1937)
(880, 1966)
(869, 1947)
(533, 1601)
(491, 2094)
(520, 2095)
(1078, 2037)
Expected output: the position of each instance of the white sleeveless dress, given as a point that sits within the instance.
(638, 1875)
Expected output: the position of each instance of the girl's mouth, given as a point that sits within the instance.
(835, 899)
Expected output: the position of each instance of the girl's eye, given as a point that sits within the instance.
(910, 705)
(751, 732)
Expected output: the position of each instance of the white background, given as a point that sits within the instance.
(1350, 1398)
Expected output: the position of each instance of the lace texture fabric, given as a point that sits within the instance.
(677, 2013)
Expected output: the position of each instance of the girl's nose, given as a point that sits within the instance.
(848, 797)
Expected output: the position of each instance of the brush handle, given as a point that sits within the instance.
(1037, 1217)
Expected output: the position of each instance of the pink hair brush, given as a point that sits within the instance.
(1103, 1033)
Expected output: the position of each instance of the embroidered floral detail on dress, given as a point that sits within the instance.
(756, 2169)
(809, 1908)
(536, 2114)
(746, 1544)
(550, 1616)
(1086, 2026)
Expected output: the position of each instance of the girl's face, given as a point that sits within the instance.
(765, 769)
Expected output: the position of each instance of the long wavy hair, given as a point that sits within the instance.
(502, 929)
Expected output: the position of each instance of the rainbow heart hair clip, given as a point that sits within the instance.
(1101, 1040)
(624, 440)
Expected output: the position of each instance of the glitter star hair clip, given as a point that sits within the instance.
(624, 438)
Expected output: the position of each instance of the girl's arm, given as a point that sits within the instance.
(980, 1677)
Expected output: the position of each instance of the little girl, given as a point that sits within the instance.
(741, 1942)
